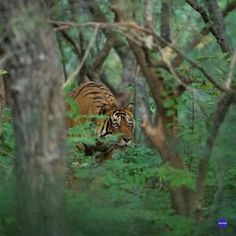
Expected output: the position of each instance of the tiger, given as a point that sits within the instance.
(96, 99)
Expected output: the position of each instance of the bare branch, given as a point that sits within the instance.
(103, 54)
(68, 38)
(77, 70)
(231, 71)
(72, 41)
(228, 8)
(205, 30)
(200, 9)
(218, 27)
(216, 21)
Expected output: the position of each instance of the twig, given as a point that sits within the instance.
(77, 70)
(231, 71)
(200, 9)
(68, 38)
(67, 24)
(101, 57)
(71, 41)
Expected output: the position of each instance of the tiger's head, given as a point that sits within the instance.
(118, 121)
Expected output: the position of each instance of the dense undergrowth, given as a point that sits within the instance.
(128, 195)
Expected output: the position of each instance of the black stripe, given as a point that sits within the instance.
(105, 134)
(92, 93)
(98, 97)
(85, 86)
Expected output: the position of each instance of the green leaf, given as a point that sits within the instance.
(164, 93)
(170, 113)
(74, 108)
(169, 103)
(176, 177)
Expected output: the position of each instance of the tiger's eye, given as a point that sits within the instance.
(115, 125)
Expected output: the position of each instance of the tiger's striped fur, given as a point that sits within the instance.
(96, 99)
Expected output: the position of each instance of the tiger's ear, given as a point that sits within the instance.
(106, 108)
(130, 107)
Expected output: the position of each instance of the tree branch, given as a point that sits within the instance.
(216, 21)
(77, 70)
(197, 38)
(101, 57)
(73, 42)
(218, 26)
(219, 116)
(228, 8)
(231, 71)
(200, 9)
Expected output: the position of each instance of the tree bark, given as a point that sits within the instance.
(218, 26)
(165, 21)
(38, 111)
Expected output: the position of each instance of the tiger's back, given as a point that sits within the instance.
(91, 97)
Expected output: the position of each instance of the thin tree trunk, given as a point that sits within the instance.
(37, 117)
(165, 21)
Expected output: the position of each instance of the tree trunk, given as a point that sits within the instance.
(38, 111)
(2, 94)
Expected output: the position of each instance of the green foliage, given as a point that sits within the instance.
(7, 213)
(118, 197)
(129, 195)
(73, 107)
(177, 177)
(113, 68)
(7, 147)
(6, 144)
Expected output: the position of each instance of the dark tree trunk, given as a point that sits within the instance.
(165, 21)
(37, 116)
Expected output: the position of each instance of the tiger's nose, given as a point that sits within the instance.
(127, 139)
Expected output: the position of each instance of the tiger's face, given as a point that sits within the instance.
(121, 122)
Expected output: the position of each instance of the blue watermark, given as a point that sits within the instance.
(222, 223)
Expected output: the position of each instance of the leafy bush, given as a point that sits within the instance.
(6, 144)
(6, 166)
